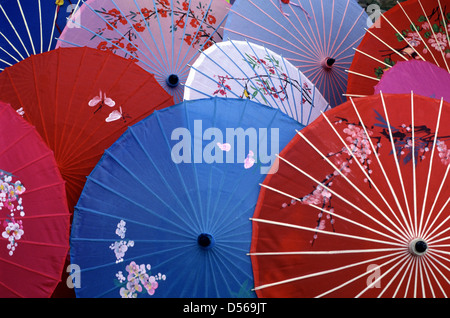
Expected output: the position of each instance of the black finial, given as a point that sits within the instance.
(205, 240)
(421, 246)
(173, 80)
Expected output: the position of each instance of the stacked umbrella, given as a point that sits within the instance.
(261, 180)
(162, 36)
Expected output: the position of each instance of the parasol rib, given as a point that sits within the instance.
(433, 260)
(314, 48)
(364, 171)
(410, 263)
(426, 234)
(402, 36)
(402, 261)
(333, 270)
(17, 34)
(387, 45)
(336, 215)
(373, 58)
(332, 252)
(405, 263)
(397, 164)
(428, 269)
(346, 36)
(315, 230)
(306, 54)
(135, 177)
(26, 26)
(380, 164)
(434, 35)
(363, 75)
(317, 40)
(346, 178)
(399, 231)
(30, 269)
(421, 39)
(431, 164)
(414, 162)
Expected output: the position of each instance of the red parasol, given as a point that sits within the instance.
(413, 29)
(33, 211)
(80, 100)
(359, 205)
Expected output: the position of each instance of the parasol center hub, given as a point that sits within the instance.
(418, 247)
(205, 240)
(173, 80)
(328, 62)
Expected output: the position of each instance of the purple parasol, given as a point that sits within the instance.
(424, 78)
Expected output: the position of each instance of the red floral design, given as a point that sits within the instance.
(139, 27)
(194, 23)
(180, 23)
(162, 13)
(188, 39)
(185, 15)
(211, 19)
(131, 48)
(146, 12)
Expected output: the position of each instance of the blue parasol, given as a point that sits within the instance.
(30, 27)
(317, 36)
(166, 211)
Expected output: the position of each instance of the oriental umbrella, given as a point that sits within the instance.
(317, 36)
(30, 27)
(165, 213)
(359, 206)
(163, 36)
(34, 215)
(240, 69)
(80, 100)
(422, 77)
(412, 30)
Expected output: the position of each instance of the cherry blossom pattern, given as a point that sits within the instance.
(421, 37)
(423, 140)
(121, 247)
(444, 152)
(11, 201)
(183, 14)
(359, 141)
(269, 82)
(358, 147)
(138, 280)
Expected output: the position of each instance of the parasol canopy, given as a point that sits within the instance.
(165, 213)
(315, 36)
(412, 30)
(30, 27)
(240, 69)
(359, 205)
(162, 36)
(80, 100)
(34, 216)
(422, 77)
